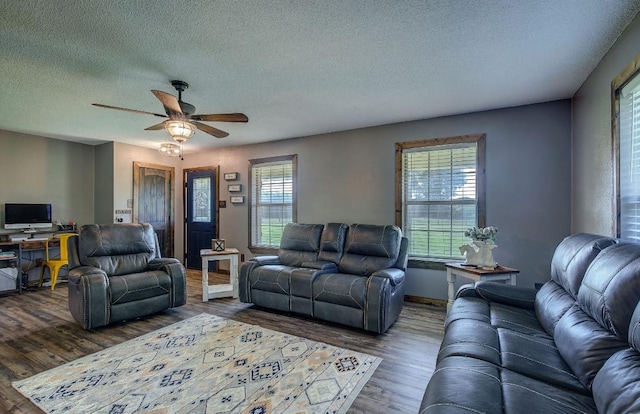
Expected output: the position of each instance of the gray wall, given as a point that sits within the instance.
(42, 170)
(345, 176)
(593, 175)
(349, 177)
(104, 183)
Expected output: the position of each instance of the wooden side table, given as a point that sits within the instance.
(224, 290)
(499, 274)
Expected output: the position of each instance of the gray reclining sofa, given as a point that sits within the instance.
(116, 273)
(571, 347)
(352, 275)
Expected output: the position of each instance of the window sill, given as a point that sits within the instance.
(430, 264)
(272, 251)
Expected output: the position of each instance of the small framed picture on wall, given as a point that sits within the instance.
(231, 176)
(234, 188)
(237, 199)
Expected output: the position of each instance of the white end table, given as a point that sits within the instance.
(499, 274)
(224, 290)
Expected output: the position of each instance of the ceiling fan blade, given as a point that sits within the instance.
(156, 126)
(128, 110)
(169, 102)
(234, 117)
(211, 130)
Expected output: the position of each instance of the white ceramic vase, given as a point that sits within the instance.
(479, 253)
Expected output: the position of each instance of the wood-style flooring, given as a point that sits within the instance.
(37, 333)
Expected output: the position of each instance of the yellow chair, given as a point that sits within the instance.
(54, 264)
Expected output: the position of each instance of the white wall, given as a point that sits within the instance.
(593, 176)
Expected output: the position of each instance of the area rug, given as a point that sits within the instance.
(206, 364)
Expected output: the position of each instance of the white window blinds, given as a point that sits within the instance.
(629, 166)
(272, 201)
(439, 198)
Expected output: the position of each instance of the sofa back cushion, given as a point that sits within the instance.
(573, 256)
(117, 249)
(369, 248)
(610, 289)
(550, 304)
(616, 388)
(299, 243)
(332, 242)
(597, 326)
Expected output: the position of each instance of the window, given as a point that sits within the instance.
(439, 193)
(626, 137)
(272, 199)
(201, 202)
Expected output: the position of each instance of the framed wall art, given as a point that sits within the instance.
(237, 199)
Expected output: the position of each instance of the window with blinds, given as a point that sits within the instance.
(440, 193)
(272, 199)
(629, 159)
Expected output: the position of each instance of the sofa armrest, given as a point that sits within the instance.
(395, 276)
(248, 266)
(177, 273)
(265, 260)
(321, 265)
(157, 264)
(517, 296)
(88, 297)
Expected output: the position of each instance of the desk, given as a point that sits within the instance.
(225, 290)
(499, 274)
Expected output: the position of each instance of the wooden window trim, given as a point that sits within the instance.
(480, 140)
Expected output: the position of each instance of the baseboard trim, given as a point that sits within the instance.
(427, 301)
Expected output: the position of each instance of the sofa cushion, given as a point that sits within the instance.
(340, 289)
(117, 249)
(299, 243)
(552, 301)
(467, 385)
(616, 387)
(271, 278)
(332, 242)
(137, 286)
(584, 344)
(610, 290)
(573, 256)
(369, 248)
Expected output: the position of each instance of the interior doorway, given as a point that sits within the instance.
(153, 201)
(201, 212)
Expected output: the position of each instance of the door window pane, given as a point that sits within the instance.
(201, 199)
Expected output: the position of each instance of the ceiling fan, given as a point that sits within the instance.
(182, 121)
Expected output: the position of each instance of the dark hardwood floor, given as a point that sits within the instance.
(38, 333)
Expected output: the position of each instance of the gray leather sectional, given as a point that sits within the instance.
(352, 275)
(116, 274)
(573, 346)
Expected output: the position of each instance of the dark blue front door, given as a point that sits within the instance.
(201, 201)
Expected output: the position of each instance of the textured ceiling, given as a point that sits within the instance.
(296, 68)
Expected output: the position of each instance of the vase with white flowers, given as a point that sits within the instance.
(480, 251)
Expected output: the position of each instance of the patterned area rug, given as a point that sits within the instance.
(206, 364)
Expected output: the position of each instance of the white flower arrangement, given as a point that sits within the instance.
(486, 234)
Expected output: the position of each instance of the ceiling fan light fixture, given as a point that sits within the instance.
(170, 149)
(180, 131)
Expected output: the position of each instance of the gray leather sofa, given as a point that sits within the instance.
(571, 347)
(352, 275)
(116, 274)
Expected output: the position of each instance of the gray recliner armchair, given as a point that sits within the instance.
(116, 274)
